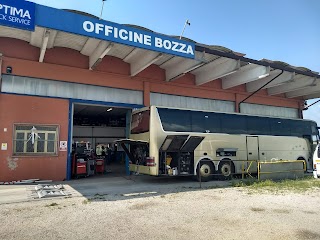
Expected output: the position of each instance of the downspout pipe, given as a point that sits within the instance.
(258, 90)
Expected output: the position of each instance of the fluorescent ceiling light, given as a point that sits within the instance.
(109, 109)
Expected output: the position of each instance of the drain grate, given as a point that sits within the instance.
(47, 191)
(48, 187)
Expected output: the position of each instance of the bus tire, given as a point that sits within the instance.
(226, 169)
(206, 170)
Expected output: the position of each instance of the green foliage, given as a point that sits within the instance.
(298, 185)
(243, 183)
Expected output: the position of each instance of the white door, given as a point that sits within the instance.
(252, 153)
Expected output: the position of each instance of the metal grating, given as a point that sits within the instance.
(47, 191)
(48, 187)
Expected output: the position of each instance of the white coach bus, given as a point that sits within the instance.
(167, 141)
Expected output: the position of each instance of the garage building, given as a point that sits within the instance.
(72, 80)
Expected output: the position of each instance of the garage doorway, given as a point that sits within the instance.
(95, 128)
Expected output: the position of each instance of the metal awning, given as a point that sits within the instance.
(210, 63)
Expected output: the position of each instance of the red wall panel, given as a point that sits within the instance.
(33, 110)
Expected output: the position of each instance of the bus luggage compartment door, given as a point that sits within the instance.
(180, 150)
(252, 153)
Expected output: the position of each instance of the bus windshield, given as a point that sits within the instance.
(140, 122)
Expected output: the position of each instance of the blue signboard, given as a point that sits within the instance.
(17, 14)
(88, 26)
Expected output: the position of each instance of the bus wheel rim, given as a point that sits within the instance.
(205, 170)
(226, 170)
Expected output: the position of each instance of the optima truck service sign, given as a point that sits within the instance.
(18, 14)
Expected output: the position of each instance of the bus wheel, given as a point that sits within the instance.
(226, 169)
(206, 170)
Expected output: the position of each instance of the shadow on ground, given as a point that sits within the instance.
(109, 188)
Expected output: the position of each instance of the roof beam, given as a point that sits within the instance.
(283, 78)
(37, 36)
(181, 69)
(257, 62)
(131, 54)
(248, 73)
(298, 83)
(43, 49)
(89, 47)
(310, 90)
(179, 66)
(140, 59)
(43, 38)
(52, 38)
(143, 63)
(98, 54)
(216, 69)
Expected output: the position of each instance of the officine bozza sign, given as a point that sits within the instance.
(109, 31)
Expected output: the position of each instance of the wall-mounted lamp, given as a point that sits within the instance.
(9, 70)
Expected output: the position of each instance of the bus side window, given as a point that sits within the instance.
(318, 151)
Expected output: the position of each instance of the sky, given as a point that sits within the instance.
(283, 30)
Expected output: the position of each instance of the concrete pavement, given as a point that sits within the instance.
(111, 187)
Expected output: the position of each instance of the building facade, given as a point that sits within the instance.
(62, 81)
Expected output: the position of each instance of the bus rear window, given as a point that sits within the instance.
(140, 122)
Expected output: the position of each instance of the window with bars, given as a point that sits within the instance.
(42, 140)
